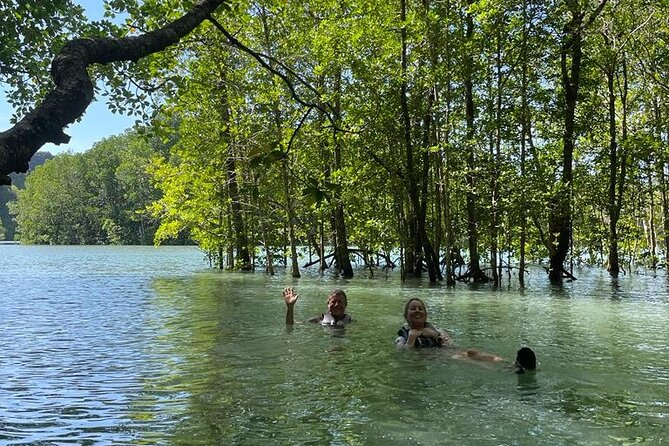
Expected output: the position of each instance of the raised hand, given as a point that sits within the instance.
(290, 296)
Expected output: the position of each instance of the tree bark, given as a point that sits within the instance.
(665, 210)
(74, 89)
(475, 272)
(238, 226)
(342, 258)
(417, 215)
(524, 135)
(560, 219)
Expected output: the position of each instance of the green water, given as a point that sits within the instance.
(123, 345)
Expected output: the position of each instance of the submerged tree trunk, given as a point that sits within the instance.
(238, 225)
(651, 232)
(475, 272)
(495, 155)
(662, 167)
(614, 265)
(559, 225)
(524, 136)
(290, 214)
(342, 259)
(560, 218)
(617, 163)
(417, 215)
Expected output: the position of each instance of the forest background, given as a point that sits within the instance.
(421, 134)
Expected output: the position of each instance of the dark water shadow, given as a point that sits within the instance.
(616, 289)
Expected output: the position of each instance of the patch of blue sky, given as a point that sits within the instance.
(98, 121)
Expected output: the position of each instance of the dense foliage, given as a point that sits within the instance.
(90, 198)
(488, 133)
(30, 34)
(7, 194)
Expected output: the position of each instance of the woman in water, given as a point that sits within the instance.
(418, 333)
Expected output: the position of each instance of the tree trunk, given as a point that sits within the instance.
(559, 225)
(290, 214)
(560, 218)
(614, 266)
(663, 167)
(417, 216)
(495, 261)
(665, 210)
(651, 234)
(445, 195)
(475, 272)
(342, 259)
(524, 135)
(617, 165)
(238, 226)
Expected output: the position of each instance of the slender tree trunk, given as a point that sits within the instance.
(269, 267)
(431, 125)
(445, 195)
(414, 259)
(290, 213)
(418, 216)
(221, 224)
(617, 164)
(614, 266)
(560, 217)
(342, 259)
(238, 226)
(524, 135)
(472, 217)
(495, 260)
(652, 235)
(230, 254)
(662, 169)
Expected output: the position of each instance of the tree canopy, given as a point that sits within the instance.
(455, 139)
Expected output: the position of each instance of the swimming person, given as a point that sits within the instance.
(418, 333)
(335, 317)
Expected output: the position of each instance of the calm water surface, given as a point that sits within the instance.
(142, 345)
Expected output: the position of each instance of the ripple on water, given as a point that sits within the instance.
(107, 349)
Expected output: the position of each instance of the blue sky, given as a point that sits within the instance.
(97, 123)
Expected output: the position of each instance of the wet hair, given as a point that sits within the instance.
(339, 293)
(406, 306)
(525, 360)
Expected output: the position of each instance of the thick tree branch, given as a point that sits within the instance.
(74, 89)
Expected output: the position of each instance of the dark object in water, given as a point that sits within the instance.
(525, 360)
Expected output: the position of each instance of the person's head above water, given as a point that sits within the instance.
(525, 360)
(415, 313)
(336, 314)
(337, 302)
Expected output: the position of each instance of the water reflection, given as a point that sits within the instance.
(527, 386)
(616, 289)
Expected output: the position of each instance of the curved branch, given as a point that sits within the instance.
(260, 58)
(74, 89)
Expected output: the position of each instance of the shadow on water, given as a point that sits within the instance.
(617, 292)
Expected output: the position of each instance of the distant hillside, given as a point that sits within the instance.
(6, 194)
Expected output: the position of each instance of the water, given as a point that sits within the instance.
(138, 345)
